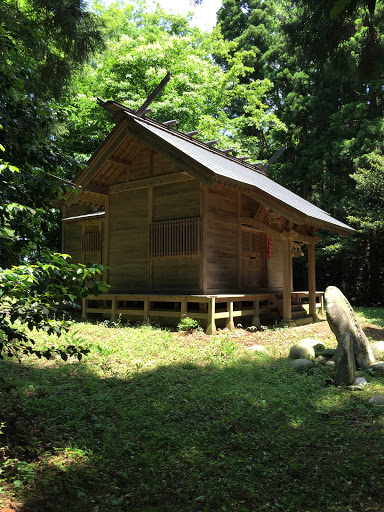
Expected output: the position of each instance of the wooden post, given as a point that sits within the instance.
(146, 310)
(239, 245)
(113, 308)
(230, 323)
(312, 280)
(203, 239)
(287, 284)
(211, 326)
(84, 307)
(256, 316)
(183, 306)
(106, 235)
(149, 238)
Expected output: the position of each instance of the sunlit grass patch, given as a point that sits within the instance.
(370, 316)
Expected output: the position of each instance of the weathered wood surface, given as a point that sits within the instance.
(128, 246)
(222, 238)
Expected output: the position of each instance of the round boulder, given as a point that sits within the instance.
(302, 364)
(317, 345)
(377, 400)
(378, 349)
(302, 351)
(329, 353)
(377, 367)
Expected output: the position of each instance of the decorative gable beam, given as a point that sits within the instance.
(153, 95)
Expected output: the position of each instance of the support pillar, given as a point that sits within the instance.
(256, 315)
(211, 326)
(312, 280)
(146, 310)
(113, 309)
(230, 324)
(287, 285)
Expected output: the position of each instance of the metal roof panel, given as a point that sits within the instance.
(228, 168)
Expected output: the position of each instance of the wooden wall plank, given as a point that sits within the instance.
(180, 273)
(129, 241)
(176, 200)
(222, 238)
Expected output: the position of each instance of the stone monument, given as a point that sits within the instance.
(353, 350)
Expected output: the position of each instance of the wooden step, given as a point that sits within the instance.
(304, 321)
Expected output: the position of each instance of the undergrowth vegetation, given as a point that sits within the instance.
(153, 420)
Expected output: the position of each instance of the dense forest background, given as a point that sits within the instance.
(271, 73)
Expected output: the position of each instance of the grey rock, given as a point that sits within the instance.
(345, 368)
(377, 400)
(377, 367)
(257, 348)
(301, 364)
(317, 345)
(358, 383)
(342, 319)
(330, 363)
(302, 351)
(378, 349)
(329, 353)
(320, 361)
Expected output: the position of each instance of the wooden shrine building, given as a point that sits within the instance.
(186, 228)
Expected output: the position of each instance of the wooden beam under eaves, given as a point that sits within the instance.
(229, 150)
(96, 189)
(191, 134)
(172, 122)
(118, 161)
(211, 142)
(243, 157)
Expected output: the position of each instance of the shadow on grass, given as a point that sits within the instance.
(241, 436)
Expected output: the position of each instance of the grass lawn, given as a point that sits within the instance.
(155, 421)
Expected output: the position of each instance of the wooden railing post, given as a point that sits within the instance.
(230, 323)
(256, 315)
(113, 308)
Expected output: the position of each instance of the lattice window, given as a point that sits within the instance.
(179, 237)
(91, 241)
(253, 242)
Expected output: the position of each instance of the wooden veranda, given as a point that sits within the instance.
(207, 309)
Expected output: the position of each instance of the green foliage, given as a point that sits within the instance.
(141, 48)
(42, 43)
(40, 297)
(188, 324)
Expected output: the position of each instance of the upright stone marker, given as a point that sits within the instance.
(342, 319)
(345, 367)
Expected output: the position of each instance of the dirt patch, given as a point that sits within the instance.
(319, 330)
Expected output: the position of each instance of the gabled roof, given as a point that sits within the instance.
(211, 165)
